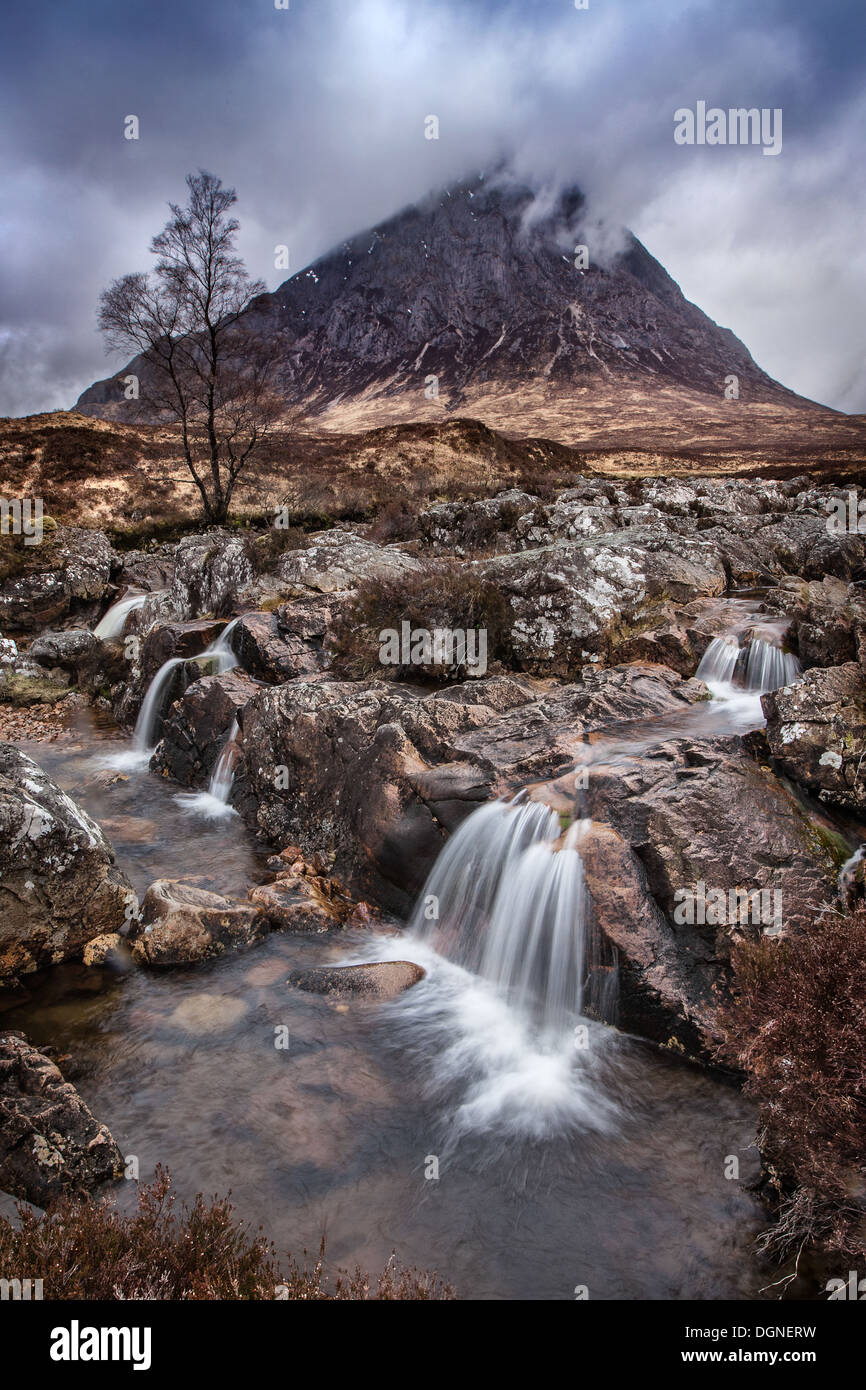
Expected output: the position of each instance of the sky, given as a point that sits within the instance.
(316, 115)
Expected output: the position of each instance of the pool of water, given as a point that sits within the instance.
(606, 1171)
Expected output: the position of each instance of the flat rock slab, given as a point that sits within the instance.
(383, 980)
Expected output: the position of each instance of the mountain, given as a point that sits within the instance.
(478, 288)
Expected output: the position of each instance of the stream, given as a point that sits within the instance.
(553, 1173)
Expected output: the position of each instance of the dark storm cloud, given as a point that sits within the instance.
(316, 115)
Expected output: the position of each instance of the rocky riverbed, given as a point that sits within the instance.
(219, 824)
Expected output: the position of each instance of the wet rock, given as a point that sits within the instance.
(197, 724)
(662, 993)
(183, 640)
(381, 981)
(206, 1014)
(106, 950)
(377, 775)
(305, 900)
(816, 731)
(181, 925)
(683, 822)
(50, 1142)
(666, 645)
(59, 885)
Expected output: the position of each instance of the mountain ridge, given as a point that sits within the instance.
(470, 294)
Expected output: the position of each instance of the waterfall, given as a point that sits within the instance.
(719, 662)
(503, 929)
(766, 667)
(220, 651)
(224, 772)
(144, 738)
(214, 803)
(757, 667)
(113, 623)
(513, 908)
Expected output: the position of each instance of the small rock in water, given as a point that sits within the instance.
(109, 949)
(207, 1013)
(382, 980)
(134, 830)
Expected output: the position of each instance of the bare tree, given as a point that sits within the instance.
(205, 366)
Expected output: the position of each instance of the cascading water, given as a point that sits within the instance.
(224, 773)
(719, 662)
(757, 667)
(219, 656)
(766, 667)
(112, 625)
(513, 909)
(214, 803)
(503, 928)
(220, 653)
(144, 737)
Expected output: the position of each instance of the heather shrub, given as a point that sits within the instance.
(797, 1026)
(263, 551)
(444, 595)
(83, 1248)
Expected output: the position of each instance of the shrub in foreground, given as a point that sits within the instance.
(797, 1026)
(83, 1248)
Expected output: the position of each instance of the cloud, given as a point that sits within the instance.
(316, 114)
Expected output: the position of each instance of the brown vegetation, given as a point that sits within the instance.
(442, 595)
(797, 1027)
(85, 1249)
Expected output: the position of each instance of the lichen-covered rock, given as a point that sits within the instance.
(106, 950)
(66, 648)
(816, 730)
(59, 885)
(50, 1142)
(211, 572)
(335, 560)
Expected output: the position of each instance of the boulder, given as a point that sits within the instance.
(182, 924)
(50, 1143)
(701, 823)
(302, 899)
(816, 731)
(68, 572)
(212, 571)
(335, 560)
(274, 648)
(65, 648)
(59, 885)
(574, 601)
(378, 982)
(197, 723)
